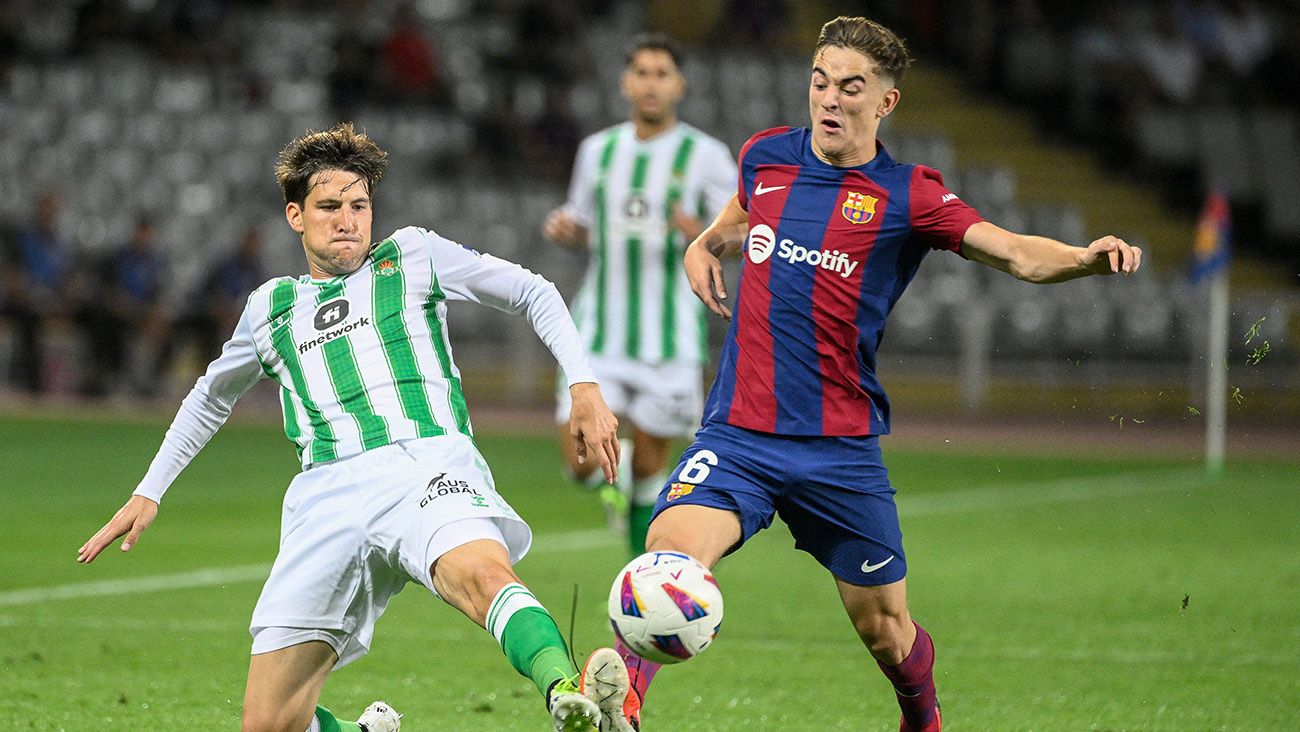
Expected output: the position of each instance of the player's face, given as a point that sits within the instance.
(654, 85)
(847, 100)
(334, 223)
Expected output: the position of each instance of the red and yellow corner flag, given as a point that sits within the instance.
(1213, 245)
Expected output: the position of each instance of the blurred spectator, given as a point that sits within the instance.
(127, 330)
(409, 64)
(225, 289)
(34, 289)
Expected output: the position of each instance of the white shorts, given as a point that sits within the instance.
(355, 531)
(664, 399)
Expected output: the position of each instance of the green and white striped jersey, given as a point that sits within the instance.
(364, 360)
(635, 301)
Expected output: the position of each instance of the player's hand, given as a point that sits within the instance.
(704, 272)
(564, 230)
(1112, 255)
(690, 226)
(131, 519)
(594, 429)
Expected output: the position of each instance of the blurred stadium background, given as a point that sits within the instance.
(138, 206)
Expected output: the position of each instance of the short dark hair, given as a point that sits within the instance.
(872, 40)
(654, 42)
(340, 148)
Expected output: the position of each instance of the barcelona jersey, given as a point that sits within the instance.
(829, 252)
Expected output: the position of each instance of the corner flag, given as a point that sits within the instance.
(1210, 255)
(1212, 247)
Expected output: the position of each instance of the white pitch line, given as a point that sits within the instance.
(544, 544)
(1021, 495)
(181, 580)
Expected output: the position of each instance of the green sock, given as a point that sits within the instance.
(638, 524)
(529, 637)
(330, 723)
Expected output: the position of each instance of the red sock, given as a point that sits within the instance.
(640, 672)
(913, 681)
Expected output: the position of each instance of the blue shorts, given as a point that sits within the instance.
(833, 493)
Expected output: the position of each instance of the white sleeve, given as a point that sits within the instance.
(464, 274)
(719, 182)
(204, 410)
(582, 183)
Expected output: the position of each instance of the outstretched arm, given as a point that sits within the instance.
(1042, 260)
(702, 261)
(483, 278)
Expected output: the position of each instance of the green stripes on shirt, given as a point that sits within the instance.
(345, 377)
(632, 341)
(324, 444)
(602, 219)
(455, 395)
(672, 256)
(390, 323)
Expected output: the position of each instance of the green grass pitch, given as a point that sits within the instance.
(1084, 593)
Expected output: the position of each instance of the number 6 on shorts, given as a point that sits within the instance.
(696, 469)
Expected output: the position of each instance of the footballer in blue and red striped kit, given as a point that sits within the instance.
(831, 230)
(829, 252)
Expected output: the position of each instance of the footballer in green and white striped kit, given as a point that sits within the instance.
(393, 488)
(637, 196)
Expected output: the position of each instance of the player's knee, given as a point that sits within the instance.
(700, 531)
(477, 584)
(487, 578)
(672, 538)
(885, 635)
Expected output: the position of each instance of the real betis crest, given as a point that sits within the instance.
(858, 208)
(386, 268)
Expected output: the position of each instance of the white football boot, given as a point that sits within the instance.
(605, 681)
(570, 710)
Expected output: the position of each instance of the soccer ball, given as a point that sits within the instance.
(665, 606)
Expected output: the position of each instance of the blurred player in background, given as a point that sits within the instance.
(835, 231)
(36, 289)
(393, 489)
(638, 193)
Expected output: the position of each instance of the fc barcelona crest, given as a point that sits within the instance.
(859, 208)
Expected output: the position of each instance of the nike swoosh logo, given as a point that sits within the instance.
(760, 190)
(868, 567)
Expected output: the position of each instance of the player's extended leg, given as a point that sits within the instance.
(902, 649)
(283, 687)
(649, 473)
(701, 531)
(476, 578)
